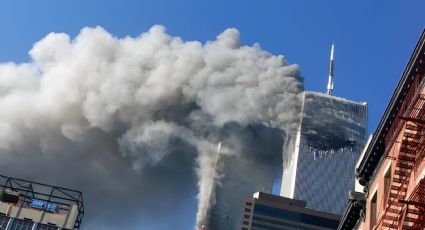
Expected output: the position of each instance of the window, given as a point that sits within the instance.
(294, 216)
(246, 216)
(3, 222)
(22, 224)
(373, 210)
(47, 227)
(247, 210)
(387, 184)
(248, 204)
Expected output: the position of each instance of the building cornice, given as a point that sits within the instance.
(375, 151)
(353, 212)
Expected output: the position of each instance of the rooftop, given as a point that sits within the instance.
(41, 198)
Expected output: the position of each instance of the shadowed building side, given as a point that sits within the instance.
(255, 169)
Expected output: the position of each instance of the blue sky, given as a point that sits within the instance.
(373, 39)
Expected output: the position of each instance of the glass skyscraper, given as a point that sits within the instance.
(319, 160)
(322, 158)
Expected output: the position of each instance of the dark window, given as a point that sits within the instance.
(246, 216)
(3, 222)
(22, 224)
(295, 216)
(387, 184)
(248, 204)
(47, 227)
(283, 226)
(245, 223)
(373, 211)
(247, 210)
(244, 229)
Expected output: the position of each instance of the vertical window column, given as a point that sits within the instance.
(387, 185)
(373, 211)
(9, 224)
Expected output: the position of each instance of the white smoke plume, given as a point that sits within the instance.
(133, 122)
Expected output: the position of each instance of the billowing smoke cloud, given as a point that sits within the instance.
(134, 122)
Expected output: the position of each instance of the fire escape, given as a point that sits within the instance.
(403, 207)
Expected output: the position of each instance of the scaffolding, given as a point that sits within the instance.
(29, 191)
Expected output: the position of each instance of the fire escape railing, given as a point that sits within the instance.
(398, 211)
(417, 198)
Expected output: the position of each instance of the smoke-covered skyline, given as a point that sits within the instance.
(134, 122)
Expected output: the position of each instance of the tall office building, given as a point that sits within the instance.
(330, 137)
(265, 211)
(317, 164)
(327, 145)
(27, 205)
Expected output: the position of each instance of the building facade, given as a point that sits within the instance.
(329, 140)
(27, 205)
(392, 169)
(266, 212)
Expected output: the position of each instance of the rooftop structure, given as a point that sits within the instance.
(28, 205)
(266, 211)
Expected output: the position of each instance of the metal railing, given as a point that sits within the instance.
(29, 191)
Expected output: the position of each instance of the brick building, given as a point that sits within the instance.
(392, 169)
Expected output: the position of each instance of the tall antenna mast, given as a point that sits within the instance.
(330, 87)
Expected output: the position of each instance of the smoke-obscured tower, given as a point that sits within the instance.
(253, 170)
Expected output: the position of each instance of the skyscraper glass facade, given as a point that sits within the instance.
(329, 142)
